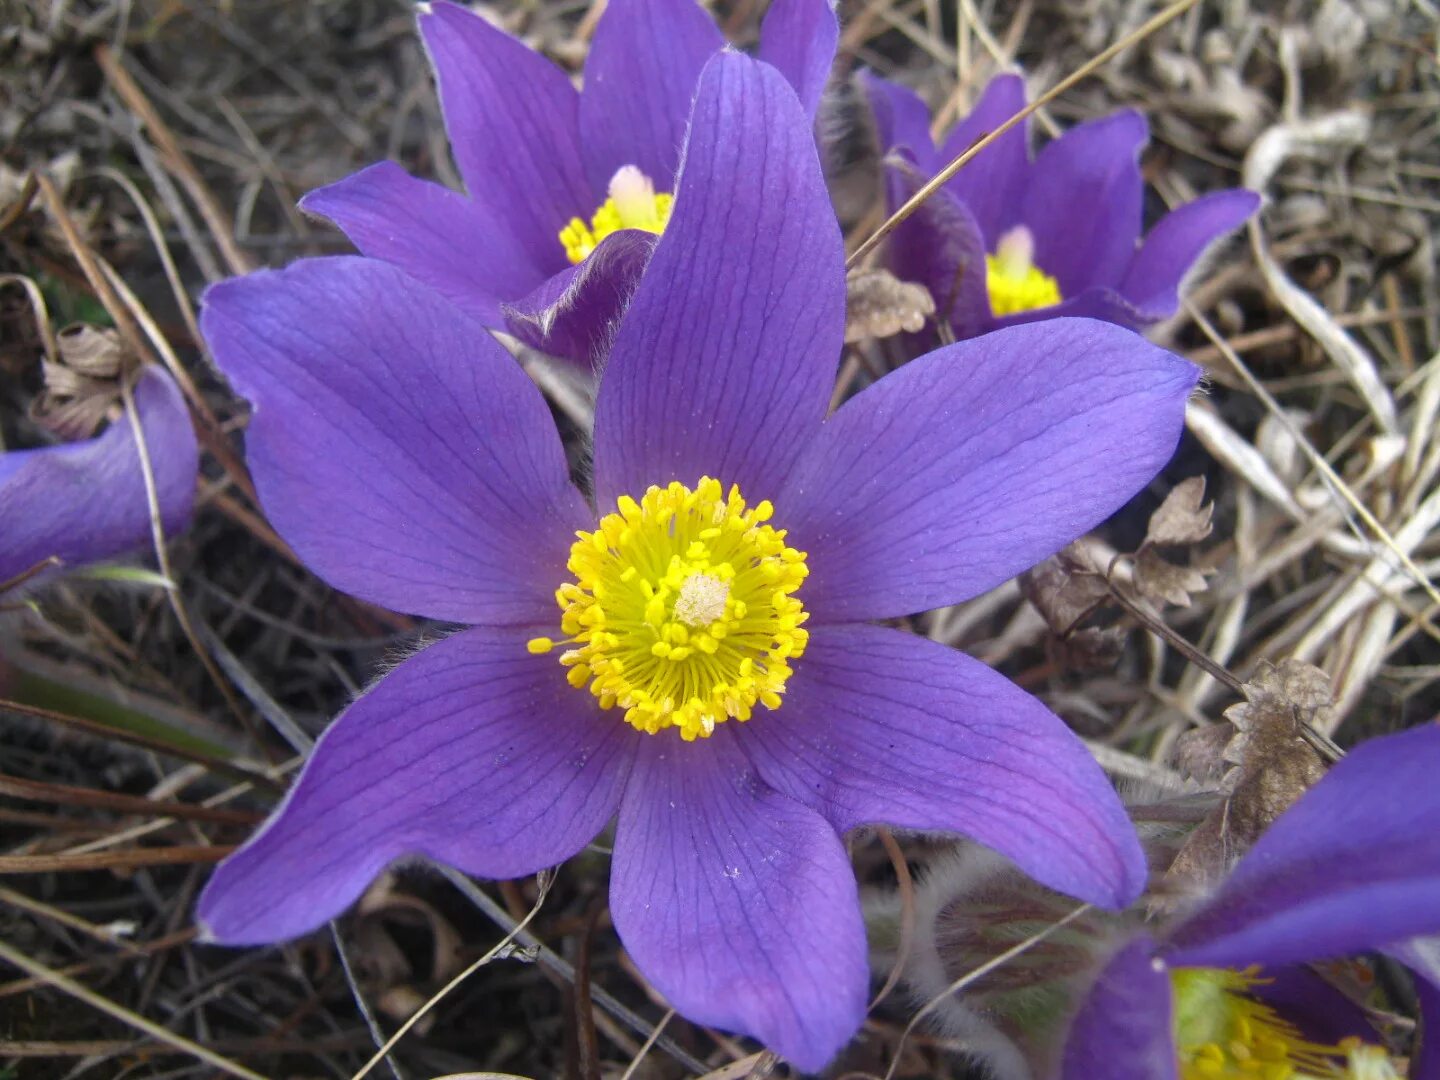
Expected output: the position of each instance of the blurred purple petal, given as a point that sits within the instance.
(640, 79)
(574, 314)
(1170, 250)
(86, 501)
(799, 38)
(993, 182)
(1084, 200)
(970, 464)
(400, 451)
(1095, 303)
(884, 727)
(472, 753)
(513, 119)
(1353, 866)
(724, 363)
(458, 247)
(902, 120)
(1123, 1029)
(738, 903)
(1322, 1013)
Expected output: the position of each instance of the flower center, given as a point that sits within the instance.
(1223, 1033)
(681, 611)
(633, 204)
(1013, 280)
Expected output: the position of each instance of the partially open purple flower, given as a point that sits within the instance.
(1011, 240)
(1353, 867)
(566, 189)
(738, 545)
(83, 502)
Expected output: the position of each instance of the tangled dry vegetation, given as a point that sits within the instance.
(148, 148)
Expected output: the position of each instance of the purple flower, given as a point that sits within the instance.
(1010, 240)
(86, 501)
(1353, 867)
(409, 461)
(566, 189)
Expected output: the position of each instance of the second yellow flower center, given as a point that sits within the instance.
(633, 204)
(682, 611)
(1014, 282)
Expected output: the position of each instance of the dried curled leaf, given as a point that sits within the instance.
(1200, 752)
(1064, 589)
(878, 305)
(1158, 579)
(1184, 516)
(84, 384)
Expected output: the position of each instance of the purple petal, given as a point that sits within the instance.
(799, 38)
(1353, 866)
(883, 727)
(513, 119)
(724, 362)
(86, 501)
(972, 463)
(1123, 1029)
(400, 451)
(457, 247)
(737, 903)
(1083, 202)
(992, 183)
(1322, 1013)
(1094, 303)
(640, 79)
(1152, 283)
(573, 315)
(902, 120)
(472, 753)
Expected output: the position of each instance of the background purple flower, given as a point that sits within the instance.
(409, 461)
(1071, 216)
(86, 501)
(535, 154)
(1353, 867)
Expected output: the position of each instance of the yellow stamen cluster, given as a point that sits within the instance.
(633, 204)
(1014, 282)
(1222, 1033)
(682, 610)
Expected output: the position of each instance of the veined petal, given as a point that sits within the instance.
(400, 451)
(902, 120)
(1083, 202)
(1123, 1030)
(737, 903)
(993, 183)
(513, 120)
(724, 361)
(882, 727)
(640, 79)
(459, 247)
(799, 38)
(1353, 866)
(473, 753)
(1152, 282)
(976, 461)
(86, 501)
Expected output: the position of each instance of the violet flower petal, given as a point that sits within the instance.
(992, 183)
(1123, 1030)
(1084, 200)
(573, 315)
(472, 753)
(737, 903)
(640, 79)
(1354, 865)
(1321, 1012)
(883, 727)
(799, 38)
(1152, 282)
(513, 120)
(400, 451)
(902, 120)
(724, 362)
(976, 461)
(86, 501)
(460, 248)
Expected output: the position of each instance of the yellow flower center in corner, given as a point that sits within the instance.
(682, 611)
(1222, 1033)
(633, 204)
(1013, 280)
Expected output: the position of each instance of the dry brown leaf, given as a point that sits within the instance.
(879, 305)
(1200, 752)
(1159, 580)
(1064, 589)
(1184, 516)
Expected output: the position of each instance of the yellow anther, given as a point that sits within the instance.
(683, 612)
(1012, 279)
(633, 204)
(539, 646)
